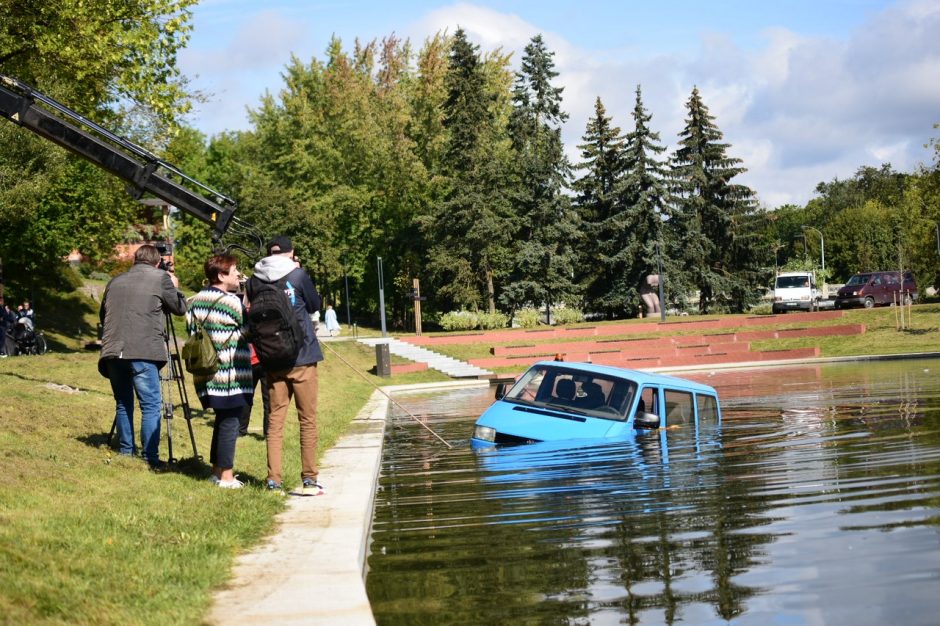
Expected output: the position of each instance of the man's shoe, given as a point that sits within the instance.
(274, 486)
(157, 466)
(312, 488)
(230, 484)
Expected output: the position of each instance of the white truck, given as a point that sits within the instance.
(795, 291)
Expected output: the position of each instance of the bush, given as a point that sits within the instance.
(567, 316)
(458, 320)
(527, 318)
(489, 321)
(763, 308)
(470, 320)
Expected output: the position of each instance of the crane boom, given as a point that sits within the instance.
(142, 170)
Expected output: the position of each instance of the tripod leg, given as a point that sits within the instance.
(111, 434)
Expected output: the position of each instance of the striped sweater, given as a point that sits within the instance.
(221, 314)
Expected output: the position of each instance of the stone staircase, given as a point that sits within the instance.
(449, 366)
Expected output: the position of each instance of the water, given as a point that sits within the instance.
(816, 501)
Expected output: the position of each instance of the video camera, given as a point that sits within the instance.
(166, 253)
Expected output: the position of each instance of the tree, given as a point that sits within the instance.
(114, 62)
(603, 153)
(471, 230)
(544, 246)
(631, 238)
(716, 219)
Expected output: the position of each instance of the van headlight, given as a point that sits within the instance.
(484, 433)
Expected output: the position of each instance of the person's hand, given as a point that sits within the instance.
(176, 281)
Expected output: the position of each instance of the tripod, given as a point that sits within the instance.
(172, 373)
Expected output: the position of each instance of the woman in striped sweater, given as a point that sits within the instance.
(219, 310)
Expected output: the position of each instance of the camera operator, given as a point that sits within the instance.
(134, 349)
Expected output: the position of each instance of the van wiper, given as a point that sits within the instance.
(566, 409)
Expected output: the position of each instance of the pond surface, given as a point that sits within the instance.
(815, 501)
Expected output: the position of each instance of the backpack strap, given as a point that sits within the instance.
(200, 324)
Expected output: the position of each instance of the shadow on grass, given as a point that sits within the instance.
(193, 466)
(919, 331)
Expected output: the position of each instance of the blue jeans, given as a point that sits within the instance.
(143, 378)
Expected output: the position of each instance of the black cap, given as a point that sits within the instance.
(279, 245)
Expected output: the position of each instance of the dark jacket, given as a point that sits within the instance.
(303, 297)
(133, 314)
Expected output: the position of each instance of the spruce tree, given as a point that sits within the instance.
(629, 240)
(470, 229)
(721, 253)
(543, 249)
(603, 154)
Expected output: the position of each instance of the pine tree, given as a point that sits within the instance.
(721, 252)
(603, 154)
(470, 230)
(543, 250)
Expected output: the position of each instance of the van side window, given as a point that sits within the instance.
(679, 408)
(707, 407)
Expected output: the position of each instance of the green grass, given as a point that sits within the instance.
(90, 537)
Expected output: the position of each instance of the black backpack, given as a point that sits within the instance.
(273, 328)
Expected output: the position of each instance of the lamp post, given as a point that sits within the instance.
(822, 248)
(659, 261)
(822, 244)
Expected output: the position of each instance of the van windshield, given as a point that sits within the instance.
(584, 393)
(858, 279)
(792, 282)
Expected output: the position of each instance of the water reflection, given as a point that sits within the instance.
(816, 501)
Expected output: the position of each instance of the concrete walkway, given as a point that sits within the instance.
(312, 569)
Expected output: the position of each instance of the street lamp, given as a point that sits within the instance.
(822, 247)
(822, 243)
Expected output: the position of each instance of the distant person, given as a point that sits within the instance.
(134, 347)
(329, 320)
(25, 310)
(227, 392)
(7, 320)
(280, 268)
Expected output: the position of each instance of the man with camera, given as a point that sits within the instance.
(133, 315)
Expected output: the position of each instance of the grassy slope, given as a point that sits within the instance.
(88, 537)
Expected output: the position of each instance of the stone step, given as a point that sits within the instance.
(445, 364)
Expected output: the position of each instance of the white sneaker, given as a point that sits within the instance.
(231, 484)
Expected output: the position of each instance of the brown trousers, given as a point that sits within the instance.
(301, 384)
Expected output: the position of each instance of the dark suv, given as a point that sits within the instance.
(873, 288)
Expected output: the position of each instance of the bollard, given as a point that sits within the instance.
(383, 362)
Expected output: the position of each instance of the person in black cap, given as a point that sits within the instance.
(300, 381)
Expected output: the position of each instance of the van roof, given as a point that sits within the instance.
(795, 274)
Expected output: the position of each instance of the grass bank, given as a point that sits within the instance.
(89, 537)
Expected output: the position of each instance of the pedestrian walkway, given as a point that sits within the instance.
(454, 368)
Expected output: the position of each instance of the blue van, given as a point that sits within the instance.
(556, 400)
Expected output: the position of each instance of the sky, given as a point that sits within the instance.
(804, 91)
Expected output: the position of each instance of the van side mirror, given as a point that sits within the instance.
(500, 391)
(645, 420)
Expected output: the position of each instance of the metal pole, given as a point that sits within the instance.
(662, 297)
(346, 281)
(381, 295)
